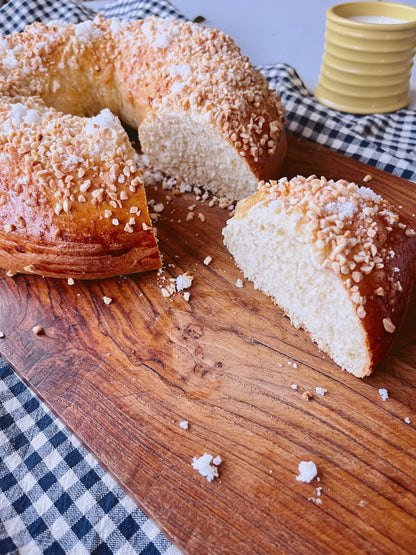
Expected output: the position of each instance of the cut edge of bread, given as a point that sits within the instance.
(285, 266)
(192, 150)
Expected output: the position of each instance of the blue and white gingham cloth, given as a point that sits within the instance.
(54, 496)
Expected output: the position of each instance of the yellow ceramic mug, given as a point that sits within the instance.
(368, 58)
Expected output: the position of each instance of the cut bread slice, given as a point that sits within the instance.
(334, 256)
(190, 147)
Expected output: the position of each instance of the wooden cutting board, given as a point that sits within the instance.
(123, 376)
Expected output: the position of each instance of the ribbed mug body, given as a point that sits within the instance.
(366, 66)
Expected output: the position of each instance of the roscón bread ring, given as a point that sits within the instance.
(72, 201)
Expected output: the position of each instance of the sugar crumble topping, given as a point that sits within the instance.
(87, 31)
(349, 226)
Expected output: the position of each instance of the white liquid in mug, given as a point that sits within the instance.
(376, 19)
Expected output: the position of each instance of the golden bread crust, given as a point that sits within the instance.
(72, 201)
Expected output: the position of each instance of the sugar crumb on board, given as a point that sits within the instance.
(384, 394)
(207, 466)
(169, 286)
(317, 499)
(307, 471)
(184, 281)
(320, 391)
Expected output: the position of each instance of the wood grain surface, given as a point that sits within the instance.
(123, 376)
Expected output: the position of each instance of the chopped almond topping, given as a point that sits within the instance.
(388, 325)
(30, 268)
(361, 313)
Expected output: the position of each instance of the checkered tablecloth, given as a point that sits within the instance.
(54, 496)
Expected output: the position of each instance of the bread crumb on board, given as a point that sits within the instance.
(107, 300)
(207, 466)
(239, 283)
(307, 471)
(407, 420)
(184, 424)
